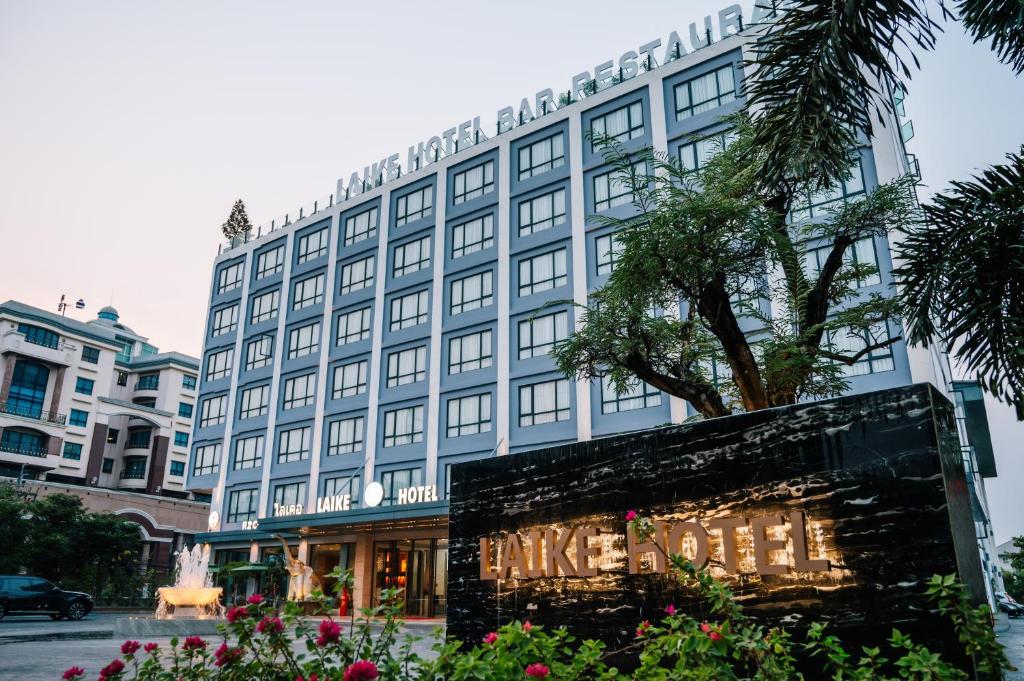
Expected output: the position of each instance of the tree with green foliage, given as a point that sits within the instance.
(1014, 578)
(824, 70)
(686, 308)
(237, 223)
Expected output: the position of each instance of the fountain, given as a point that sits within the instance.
(193, 594)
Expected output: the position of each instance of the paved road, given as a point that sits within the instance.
(1011, 635)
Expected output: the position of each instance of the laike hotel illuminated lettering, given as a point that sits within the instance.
(335, 503)
(576, 552)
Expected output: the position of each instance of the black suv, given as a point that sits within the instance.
(31, 595)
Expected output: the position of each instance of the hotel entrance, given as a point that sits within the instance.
(420, 568)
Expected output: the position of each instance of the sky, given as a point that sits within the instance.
(128, 129)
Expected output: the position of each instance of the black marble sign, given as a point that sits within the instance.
(878, 478)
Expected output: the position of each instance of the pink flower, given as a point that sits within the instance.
(712, 634)
(112, 669)
(150, 647)
(193, 643)
(630, 516)
(491, 638)
(330, 632)
(715, 636)
(270, 625)
(537, 671)
(73, 673)
(361, 670)
(705, 627)
(237, 613)
(255, 599)
(670, 610)
(130, 647)
(642, 629)
(527, 626)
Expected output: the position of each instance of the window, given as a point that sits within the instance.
(39, 336)
(639, 395)
(292, 494)
(861, 254)
(312, 246)
(820, 203)
(542, 272)
(270, 262)
(408, 310)
(354, 326)
(253, 401)
(127, 347)
(112, 435)
(609, 250)
(348, 484)
(345, 436)
(407, 366)
(293, 445)
(258, 352)
(477, 181)
(615, 188)
(472, 292)
(180, 439)
(108, 465)
(849, 342)
(623, 124)
(414, 206)
(538, 335)
(229, 278)
(298, 391)
(349, 380)
(264, 307)
(84, 386)
(145, 402)
(308, 292)
(542, 212)
(704, 93)
(543, 402)
(122, 378)
(248, 452)
(18, 442)
(134, 468)
(225, 320)
(403, 426)
(150, 381)
(184, 410)
(138, 439)
(90, 355)
(470, 352)
(177, 469)
(394, 481)
(472, 236)
(304, 340)
(206, 459)
(542, 156)
(213, 411)
(357, 275)
(360, 227)
(218, 365)
(411, 257)
(695, 155)
(188, 382)
(28, 389)
(242, 505)
(72, 451)
(78, 418)
(469, 415)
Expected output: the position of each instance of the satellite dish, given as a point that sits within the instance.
(374, 494)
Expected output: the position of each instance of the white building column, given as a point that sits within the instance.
(436, 319)
(579, 259)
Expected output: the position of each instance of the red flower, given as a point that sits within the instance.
(150, 647)
(193, 643)
(715, 636)
(112, 669)
(705, 627)
(255, 599)
(73, 673)
(630, 516)
(361, 670)
(491, 638)
(527, 626)
(270, 625)
(712, 634)
(130, 647)
(670, 610)
(237, 613)
(537, 671)
(642, 629)
(226, 655)
(330, 632)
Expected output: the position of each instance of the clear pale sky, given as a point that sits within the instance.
(127, 129)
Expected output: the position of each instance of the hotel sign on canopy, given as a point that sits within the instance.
(728, 21)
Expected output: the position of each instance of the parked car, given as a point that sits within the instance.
(1011, 607)
(24, 595)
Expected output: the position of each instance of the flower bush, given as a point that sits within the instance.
(258, 643)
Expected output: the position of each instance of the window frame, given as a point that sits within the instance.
(483, 422)
(413, 436)
(482, 360)
(303, 251)
(531, 170)
(486, 298)
(487, 183)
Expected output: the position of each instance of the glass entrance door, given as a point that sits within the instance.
(413, 567)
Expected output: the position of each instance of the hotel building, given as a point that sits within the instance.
(406, 327)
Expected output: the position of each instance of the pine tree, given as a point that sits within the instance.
(238, 222)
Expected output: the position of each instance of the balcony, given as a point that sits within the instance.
(31, 413)
(60, 353)
(148, 383)
(23, 450)
(134, 473)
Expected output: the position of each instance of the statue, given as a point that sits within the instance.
(302, 580)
